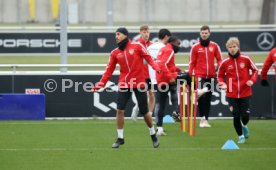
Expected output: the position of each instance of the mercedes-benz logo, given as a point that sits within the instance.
(265, 41)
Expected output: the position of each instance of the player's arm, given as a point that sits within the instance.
(267, 64)
(218, 56)
(169, 64)
(221, 74)
(192, 63)
(161, 59)
(107, 74)
(254, 75)
(145, 54)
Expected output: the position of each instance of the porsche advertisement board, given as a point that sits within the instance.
(97, 42)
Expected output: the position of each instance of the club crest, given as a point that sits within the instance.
(242, 65)
(131, 51)
(101, 42)
(211, 49)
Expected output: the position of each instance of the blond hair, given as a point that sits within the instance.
(144, 27)
(233, 40)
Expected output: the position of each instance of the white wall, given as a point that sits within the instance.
(183, 11)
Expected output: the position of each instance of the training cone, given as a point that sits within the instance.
(168, 119)
(230, 145)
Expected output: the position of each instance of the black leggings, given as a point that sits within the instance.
(240, 108)
(162, 95)
(204, 102)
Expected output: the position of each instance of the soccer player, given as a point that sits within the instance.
(145, 41)
(129, 55)
(167, 79)
(271, 58)
(202, 57)
(236, 68)
(163, 37)
(153, 49)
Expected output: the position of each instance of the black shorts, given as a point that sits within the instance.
(141, 96)
(149, 85)
(239, 106)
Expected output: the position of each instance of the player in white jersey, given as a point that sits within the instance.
(153, 50)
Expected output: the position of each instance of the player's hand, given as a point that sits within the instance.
(95, 88)
(264, 83)
(249, 83)
(172, 81)
(223, 87)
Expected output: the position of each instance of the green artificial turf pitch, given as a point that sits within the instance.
(86, 144)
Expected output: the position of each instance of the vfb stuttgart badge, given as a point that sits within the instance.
(101, 42)
(242, 65)
(131, 51)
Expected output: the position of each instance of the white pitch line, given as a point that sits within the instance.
(126, 149)
(56, 123)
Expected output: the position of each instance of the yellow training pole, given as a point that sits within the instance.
(192, 105)
(55, 9)
(32, 10)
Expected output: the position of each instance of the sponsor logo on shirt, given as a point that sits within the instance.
(230, 67)
(119, 55)
(200, 50)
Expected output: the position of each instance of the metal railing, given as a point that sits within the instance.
(14, 67)
(136, 28)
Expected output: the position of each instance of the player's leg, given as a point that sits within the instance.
(151, 102)
(163, 95)
(151, 97)
(135, 110)
(122, 99)
(174, 101)
(234, 107)
(245, 112)
(207, 107)
(143, 107)
(201, 103)
(156, 104)
(204, 102)
(208, 97)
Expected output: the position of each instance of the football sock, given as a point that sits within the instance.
(120, 133)
(151, 130)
